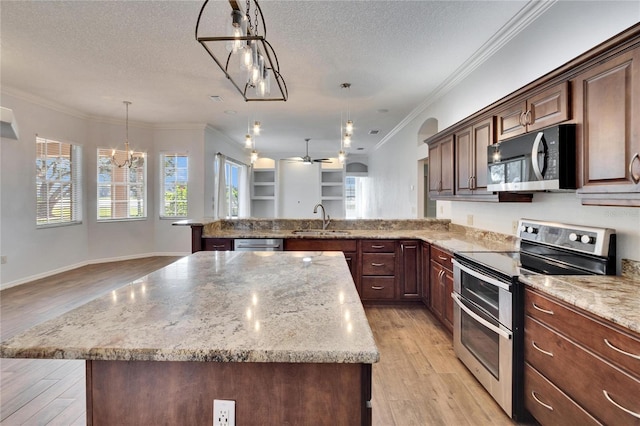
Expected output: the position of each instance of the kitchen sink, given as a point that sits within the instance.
(318, 232)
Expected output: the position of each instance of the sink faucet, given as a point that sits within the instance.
(325, 222)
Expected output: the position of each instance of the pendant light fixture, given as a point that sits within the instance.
(246, 39)
(128, 162)
(346, 128)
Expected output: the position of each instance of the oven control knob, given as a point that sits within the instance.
(532, 230)
(573, 236)
(586, 239)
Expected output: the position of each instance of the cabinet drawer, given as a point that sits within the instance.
(620, 348)
(218, 244)
(548, 404)
(442, 257)
(378, 264)
(378, 246)
(374, 288)
(318, 244)
(603, 390)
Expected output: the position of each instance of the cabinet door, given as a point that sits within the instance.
(425, 270)
(483, 135)
(607, 99)
(441, 169)
(436, 289)
(410, 273)
(447, 309)
(551, 106)
(509, 120)
(464, 161)
(435, 169)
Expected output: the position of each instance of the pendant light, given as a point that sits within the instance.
(128, 162)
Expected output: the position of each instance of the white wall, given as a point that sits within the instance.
(33, 253)
(565, 31)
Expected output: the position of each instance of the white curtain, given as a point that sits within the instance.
(244, 205)
(220, 207)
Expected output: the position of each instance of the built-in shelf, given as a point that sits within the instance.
(264, 179)
(332, 189)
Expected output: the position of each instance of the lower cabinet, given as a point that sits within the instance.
(425, 271)
(378, 270)
(410, 273)
(441, 287)
(579, 369)
(217, 244)
(348, 247)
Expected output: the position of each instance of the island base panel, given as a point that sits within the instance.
(148, 392)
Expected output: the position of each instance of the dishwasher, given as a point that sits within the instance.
(258, 244)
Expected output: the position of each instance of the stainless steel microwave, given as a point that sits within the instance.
(537, 161)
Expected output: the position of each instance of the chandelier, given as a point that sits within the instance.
(346, 128)
(128, 162)
(251, 63)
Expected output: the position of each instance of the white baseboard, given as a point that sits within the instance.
(30, 278)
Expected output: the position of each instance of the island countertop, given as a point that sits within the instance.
(292, 307)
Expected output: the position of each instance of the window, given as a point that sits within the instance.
(121, 190)
(355, 196)
(174, 185)
(232, 173)
(58, 185)
(236, 187)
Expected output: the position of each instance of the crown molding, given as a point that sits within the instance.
(529, 13)
(43, 102)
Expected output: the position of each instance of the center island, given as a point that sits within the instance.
(283, 334)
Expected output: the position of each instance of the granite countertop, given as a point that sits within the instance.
(615, 298)
(217, 307)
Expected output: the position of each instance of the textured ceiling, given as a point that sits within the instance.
(91, 55)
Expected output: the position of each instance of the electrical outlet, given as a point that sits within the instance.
(469, 219)
(514, 227)
(224, 412)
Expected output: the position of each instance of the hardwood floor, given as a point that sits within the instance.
(418, 380)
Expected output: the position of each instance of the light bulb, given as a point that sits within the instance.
(349, 127)
(264, 85)
(342, 156)
(256, 70)
(248, 143)
(246, 57)
(256, 128)
(254, 156)
(347, 140)
(237, 29)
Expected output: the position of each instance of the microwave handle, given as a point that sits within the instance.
(534, 156)
(456, 298)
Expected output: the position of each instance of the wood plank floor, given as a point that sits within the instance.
(418, 381)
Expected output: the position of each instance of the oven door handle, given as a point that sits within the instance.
(481, 277)
(458, 299)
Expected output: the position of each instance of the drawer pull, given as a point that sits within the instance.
(377, 246)
(538, 308)
(218, 246)
(547, 406)
(626, 410)
(377, 287)
(620, 350)
(541, 350)
(377, 264)
(443, 257)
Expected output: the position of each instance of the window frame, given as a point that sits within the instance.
(185, 183)
(101, 153)
(75, 182)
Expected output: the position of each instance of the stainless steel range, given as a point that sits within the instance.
(488, 298)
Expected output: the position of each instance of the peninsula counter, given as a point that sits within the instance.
(282, 333)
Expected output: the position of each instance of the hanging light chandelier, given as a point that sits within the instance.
(246, 40)
(128, 162)
(346, 128)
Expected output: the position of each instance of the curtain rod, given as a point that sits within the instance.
(232, 159)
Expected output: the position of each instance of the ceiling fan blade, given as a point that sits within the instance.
(322, 160)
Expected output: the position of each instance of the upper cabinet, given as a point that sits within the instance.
(441, 167)
(548, 107)
(607, 104)
(471, 157)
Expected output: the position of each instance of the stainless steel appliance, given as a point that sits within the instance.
(541, 161)
(488, 298)
(258, 244)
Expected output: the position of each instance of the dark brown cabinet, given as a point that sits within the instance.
(607, 104)
(425, 271)
(471, 157)
(378, 270)
(441, 171)
(441, 287)
(218, 244)
(410, 270)
(348, 247)
(578, 368)
(542, 109)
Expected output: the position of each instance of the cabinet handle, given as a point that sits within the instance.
(348, 259)
(626, 410)
(469, 182)
(547, 406)
(538, 308)
(439, 186)
(541, 350)
(634, 356)
(377, 246)
(521, 118)
(441, 276)
(218, 246)
(527, 118)
(635, 179)
(473, 182)
(377, 264)
(377, 287)
(443, 257)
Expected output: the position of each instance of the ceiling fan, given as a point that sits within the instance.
(308, 160)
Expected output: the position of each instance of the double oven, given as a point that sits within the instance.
(488, 335)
